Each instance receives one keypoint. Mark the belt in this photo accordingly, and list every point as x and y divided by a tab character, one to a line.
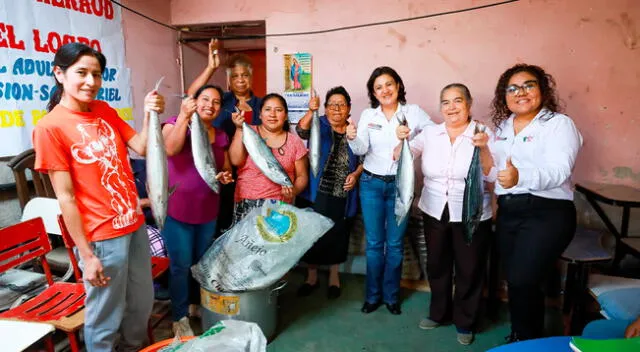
385	178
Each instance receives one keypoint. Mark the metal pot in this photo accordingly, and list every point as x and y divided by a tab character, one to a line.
259	306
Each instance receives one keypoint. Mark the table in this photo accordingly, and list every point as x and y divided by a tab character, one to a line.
617	195
20	335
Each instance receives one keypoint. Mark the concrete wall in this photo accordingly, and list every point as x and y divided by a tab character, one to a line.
591	47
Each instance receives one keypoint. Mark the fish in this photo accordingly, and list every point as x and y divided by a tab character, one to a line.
202	153
263	157
157	168
405	178
314	142
472	202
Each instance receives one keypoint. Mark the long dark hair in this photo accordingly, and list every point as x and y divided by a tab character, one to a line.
385	70
499	109
286	127
65	57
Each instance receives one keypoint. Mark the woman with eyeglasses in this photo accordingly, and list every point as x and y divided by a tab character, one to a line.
535	151
333	192
375	138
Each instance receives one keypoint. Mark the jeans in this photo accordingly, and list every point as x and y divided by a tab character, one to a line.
384	239
124	305
186	244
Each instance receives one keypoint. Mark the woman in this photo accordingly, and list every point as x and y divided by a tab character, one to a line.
332	192
82	144
535	150
193	207
375	139
240	80
446	151
253	187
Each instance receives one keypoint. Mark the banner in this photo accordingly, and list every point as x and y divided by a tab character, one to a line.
31	31
297	84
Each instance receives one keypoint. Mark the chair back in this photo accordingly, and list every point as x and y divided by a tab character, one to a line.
19	164
69	244
23	242
46	208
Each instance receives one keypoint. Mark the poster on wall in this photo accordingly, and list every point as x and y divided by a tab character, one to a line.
297	84
31	31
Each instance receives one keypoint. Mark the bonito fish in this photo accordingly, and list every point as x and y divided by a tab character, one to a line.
472	203
157	169
202	153
314	142
405	178
263	157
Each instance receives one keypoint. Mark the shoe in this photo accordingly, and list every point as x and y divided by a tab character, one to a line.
181	328
394	308
513	337
333	292
194	311
370	307
428	324
465	337
306	289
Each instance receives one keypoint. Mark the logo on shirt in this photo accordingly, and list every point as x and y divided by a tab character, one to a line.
527	139
101	148
374	126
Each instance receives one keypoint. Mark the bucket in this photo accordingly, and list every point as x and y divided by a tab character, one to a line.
259	306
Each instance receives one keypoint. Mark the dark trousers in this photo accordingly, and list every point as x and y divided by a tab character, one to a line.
532	234
446	248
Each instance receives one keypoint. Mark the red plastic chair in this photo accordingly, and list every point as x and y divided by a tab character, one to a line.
61	304
159	265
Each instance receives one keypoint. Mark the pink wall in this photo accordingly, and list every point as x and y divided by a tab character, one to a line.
151	52
592	47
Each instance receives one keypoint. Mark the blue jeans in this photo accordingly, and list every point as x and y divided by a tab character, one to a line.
124	305
186	244
384	239
606	329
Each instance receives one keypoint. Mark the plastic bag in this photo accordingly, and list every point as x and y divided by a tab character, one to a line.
260	249
225	336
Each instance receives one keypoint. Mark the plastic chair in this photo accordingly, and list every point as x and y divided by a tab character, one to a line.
61	304
159	265
19	164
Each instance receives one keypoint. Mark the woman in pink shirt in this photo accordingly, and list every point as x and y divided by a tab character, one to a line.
252	186
446	151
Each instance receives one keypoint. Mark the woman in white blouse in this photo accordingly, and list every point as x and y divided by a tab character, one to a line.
375	139
446	151
535	150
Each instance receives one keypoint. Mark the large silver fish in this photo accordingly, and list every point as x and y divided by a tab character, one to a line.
472	203
405	178
157	169
263	157
202	153
314	142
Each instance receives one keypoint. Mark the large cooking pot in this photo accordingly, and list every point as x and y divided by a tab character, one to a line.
259	306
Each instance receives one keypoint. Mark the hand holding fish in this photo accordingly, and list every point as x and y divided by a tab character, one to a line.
187	108
153	101
238	118
508	177
403	132
214	58
224	177
287	192
480	139
314	103
352	132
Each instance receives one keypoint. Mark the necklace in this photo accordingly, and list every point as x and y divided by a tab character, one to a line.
280	149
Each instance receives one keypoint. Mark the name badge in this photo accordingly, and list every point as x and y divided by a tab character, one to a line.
501	139
374	126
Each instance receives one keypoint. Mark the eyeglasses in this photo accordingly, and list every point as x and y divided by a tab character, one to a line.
337	106
527	87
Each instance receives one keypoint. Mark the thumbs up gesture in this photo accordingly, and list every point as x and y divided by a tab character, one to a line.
508	177
351	130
